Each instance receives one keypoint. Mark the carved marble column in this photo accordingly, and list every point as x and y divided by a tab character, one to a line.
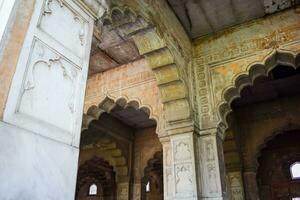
235	185
251	189
40	132
212	167
167	168
179	166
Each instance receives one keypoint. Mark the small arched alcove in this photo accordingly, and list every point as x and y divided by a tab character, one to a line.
123	133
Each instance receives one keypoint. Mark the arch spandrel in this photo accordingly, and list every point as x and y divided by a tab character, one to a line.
219	57
243	73
107	103
159	58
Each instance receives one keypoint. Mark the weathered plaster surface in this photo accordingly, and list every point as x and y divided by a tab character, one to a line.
154	43
220	58
134	81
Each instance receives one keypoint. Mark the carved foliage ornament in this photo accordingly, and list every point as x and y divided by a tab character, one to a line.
182	150
184	178
38	94
54	7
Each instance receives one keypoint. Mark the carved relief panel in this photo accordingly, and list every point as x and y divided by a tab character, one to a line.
65	25
211	184
47	92
184	176
236	185
37	92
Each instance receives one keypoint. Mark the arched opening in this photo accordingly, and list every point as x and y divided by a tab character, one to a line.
152	182
295	170
121	133
93	189
96	180
278	171
261	109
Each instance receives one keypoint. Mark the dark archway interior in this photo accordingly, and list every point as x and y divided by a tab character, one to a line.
270	103
153	176
273	175
99	172
282	81
125	138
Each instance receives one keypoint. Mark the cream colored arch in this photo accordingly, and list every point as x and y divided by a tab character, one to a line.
153	47
254	70
109	102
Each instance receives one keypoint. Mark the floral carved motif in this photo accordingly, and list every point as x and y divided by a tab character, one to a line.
182	150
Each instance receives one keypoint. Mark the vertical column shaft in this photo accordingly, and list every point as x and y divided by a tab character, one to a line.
212	168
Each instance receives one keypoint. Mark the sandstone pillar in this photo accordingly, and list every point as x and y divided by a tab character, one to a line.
40	131
251	189
212	168
180	180
123	191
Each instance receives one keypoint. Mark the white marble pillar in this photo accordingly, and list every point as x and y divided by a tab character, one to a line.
235	186
167	168
212	168
40	132
180	180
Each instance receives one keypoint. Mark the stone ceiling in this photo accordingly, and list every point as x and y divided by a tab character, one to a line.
113	43
112	52
201	17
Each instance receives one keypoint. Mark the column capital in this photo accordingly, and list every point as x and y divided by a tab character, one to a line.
181	127
164	139
96	8
214	131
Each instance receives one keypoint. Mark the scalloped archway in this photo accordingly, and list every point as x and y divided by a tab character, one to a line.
108	103
254	70
130	25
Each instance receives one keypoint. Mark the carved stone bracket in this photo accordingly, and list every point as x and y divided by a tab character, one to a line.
131	26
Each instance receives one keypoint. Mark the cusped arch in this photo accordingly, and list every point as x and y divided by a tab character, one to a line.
151	45
246	78
275	132
108	150
156	158
109	102
91	171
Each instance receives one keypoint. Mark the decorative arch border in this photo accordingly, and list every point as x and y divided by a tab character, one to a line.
154	48
246	78
109	102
